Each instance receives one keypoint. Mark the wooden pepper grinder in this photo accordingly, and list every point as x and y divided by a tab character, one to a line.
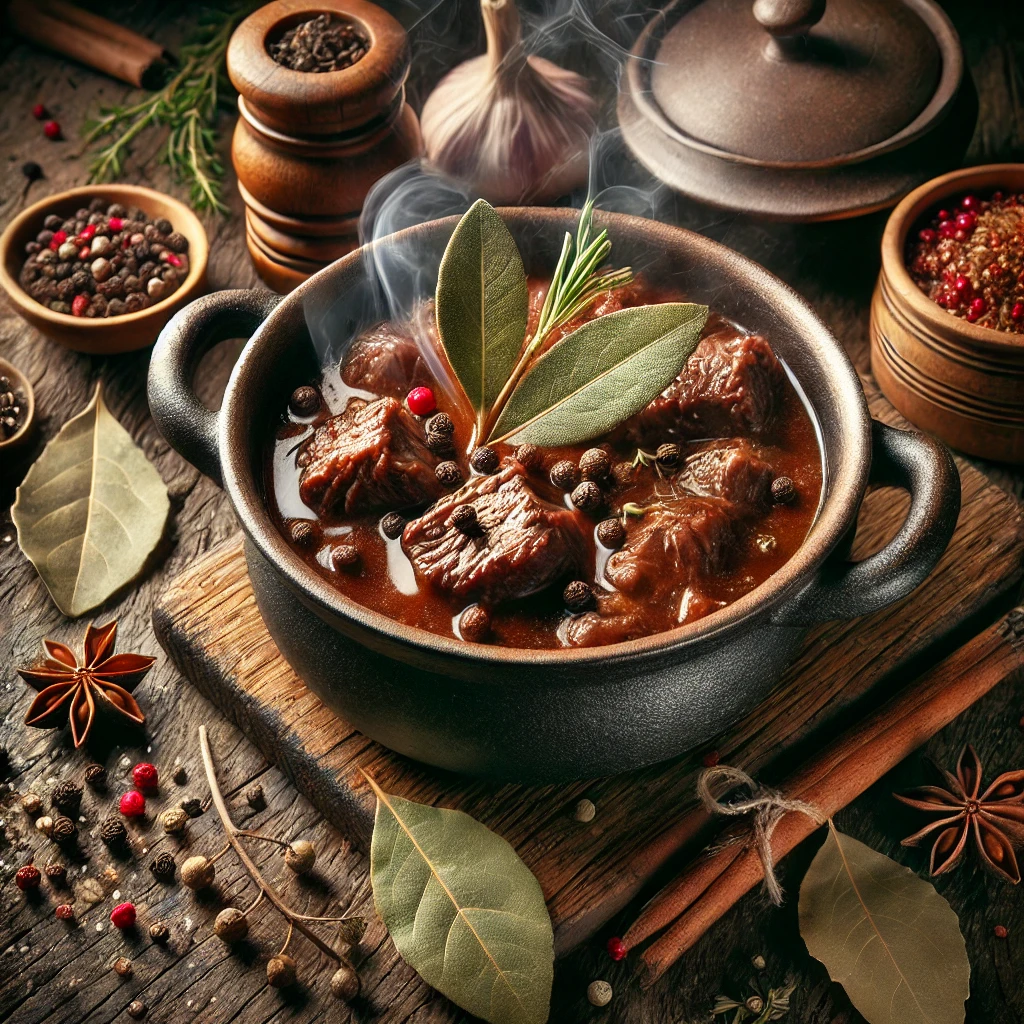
308	145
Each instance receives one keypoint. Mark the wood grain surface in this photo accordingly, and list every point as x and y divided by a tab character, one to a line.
60	974
209	623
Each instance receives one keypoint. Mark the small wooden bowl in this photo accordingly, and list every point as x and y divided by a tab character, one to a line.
961	382
20	385
107	335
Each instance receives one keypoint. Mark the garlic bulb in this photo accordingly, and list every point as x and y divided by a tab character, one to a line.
515	127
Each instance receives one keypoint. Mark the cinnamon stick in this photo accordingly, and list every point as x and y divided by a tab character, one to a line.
89	39
830	781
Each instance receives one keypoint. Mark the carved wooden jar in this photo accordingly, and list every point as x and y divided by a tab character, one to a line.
308	146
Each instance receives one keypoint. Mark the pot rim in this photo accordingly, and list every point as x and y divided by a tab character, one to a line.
842	491
895	271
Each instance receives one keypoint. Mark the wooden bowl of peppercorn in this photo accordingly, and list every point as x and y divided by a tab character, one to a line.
956	369
17	409
91	328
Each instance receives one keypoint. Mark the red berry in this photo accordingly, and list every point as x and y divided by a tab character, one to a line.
947	229
133	804
926	235
962	285
126	241
617	948
711	758
27	877
966	220
978	305
943	215
174	260
144	775
969	203
79	304
39	111
421	401
997	197
87	232
115	223
123	915
1000	931
51	130
64	912
1017	313
59	238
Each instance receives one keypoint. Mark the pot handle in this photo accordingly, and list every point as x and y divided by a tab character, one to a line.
844	589
187	425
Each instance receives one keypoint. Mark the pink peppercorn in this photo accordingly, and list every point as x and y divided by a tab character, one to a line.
947	229
144	775
926	235
1017	313
174	260
64	912
87	232
52	129
79	304
115	223
943	215
123	915
27	877
969	203
133	804
59	238
617	948
421	401
39	111
1000	931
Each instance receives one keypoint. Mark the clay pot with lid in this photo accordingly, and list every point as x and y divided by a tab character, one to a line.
308	146
798	110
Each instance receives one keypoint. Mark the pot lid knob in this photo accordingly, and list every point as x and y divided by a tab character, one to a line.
788	21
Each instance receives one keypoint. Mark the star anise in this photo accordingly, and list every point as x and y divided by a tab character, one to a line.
996	817
69	692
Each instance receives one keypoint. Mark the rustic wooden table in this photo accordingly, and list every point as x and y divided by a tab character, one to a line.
60	974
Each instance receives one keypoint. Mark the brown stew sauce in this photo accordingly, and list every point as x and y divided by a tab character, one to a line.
719	550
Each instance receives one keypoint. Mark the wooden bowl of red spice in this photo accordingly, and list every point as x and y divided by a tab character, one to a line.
103	335
947	315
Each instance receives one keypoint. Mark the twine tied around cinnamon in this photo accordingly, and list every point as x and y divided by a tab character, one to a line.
768	807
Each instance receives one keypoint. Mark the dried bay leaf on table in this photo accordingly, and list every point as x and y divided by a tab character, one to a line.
482	305
601	374
884	934
463	910
90	511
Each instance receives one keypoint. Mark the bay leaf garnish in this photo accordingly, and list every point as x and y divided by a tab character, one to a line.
462	909
884	934
90	511
601	374
481	305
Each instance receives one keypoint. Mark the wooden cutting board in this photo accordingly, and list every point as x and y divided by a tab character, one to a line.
209	624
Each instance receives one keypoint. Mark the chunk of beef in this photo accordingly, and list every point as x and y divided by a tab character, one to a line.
730	385
696	534
385	361
729	469
370	457
520	545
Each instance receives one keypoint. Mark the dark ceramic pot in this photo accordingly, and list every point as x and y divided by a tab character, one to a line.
552	714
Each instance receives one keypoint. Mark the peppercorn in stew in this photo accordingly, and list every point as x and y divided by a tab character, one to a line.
376	479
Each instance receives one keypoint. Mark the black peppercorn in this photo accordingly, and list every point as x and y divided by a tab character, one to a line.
783	490
192	807
449	474
302	533
64	830
56	873
441	424
392	525
163	867
527	455
587	496
464	519
595	464
159	932
484	460
113	831
578	597
31	170
611	533
668	455
180	775
66	797
475	623
346	558
305	400
623	473
136	1009
52	222
564	474
439	444
254	797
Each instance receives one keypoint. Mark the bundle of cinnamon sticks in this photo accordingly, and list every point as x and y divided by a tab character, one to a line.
707	888
89	39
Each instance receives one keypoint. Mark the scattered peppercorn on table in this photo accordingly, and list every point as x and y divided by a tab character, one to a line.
95	923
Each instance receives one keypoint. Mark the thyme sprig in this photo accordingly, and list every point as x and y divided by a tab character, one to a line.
187	106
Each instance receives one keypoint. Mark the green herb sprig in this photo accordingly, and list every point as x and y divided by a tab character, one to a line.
187	107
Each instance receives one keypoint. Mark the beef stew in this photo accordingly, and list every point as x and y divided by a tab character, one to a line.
677	512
